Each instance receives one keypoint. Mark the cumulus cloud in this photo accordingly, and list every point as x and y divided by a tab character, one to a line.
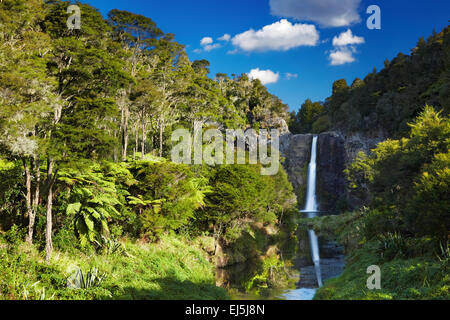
328	13
265	76
344	48
341	56
207	44
226	37
347	38
279	36
206	40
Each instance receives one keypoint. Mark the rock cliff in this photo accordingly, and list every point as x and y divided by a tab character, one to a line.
331	183
331	160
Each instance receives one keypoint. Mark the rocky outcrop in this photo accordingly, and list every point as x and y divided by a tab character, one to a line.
360	142
278	124
335	152
296	149
331	162
357	142
331	187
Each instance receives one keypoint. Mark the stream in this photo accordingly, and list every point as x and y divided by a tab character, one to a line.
306	263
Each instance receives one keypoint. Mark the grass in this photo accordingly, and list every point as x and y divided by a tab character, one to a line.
401	279
171	269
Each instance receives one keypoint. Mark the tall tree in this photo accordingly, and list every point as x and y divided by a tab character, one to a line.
139	35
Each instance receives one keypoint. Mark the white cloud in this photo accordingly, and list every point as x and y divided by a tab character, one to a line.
208	44
265	76
328	13
206	40
226	37
341	56
347	38
290	76
344	48
210	47
279	36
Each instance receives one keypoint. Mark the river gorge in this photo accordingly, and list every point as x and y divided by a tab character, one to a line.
315	165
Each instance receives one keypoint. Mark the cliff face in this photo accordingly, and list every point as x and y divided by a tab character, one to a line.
331	161
296	149
334	152
331	182
356	142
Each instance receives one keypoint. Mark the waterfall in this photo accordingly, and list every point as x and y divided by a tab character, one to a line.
311	209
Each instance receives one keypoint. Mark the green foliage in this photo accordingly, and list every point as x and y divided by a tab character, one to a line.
89	279
240	193
272	274
172	269
322	124
408	179
411	268
405	230
15	235
166	196
401	279
309	119
33	292
388	100
93	200
83	100
11	194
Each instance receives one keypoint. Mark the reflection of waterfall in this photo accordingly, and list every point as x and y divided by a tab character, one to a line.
311	209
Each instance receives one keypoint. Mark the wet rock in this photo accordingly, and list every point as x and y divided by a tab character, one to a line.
331	181
297	151
331	249
332	264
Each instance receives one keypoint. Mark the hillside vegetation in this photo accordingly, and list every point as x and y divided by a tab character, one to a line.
405	228
385	102
86	118
403	225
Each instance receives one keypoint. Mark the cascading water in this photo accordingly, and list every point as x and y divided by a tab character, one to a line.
311	209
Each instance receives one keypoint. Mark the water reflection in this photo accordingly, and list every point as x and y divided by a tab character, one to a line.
288	275
300	294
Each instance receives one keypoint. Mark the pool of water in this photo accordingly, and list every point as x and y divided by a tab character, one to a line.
300	294
298	281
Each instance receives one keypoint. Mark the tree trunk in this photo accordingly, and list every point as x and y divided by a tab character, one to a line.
49	227
29	213
136	137
126	115
33	202
143	137
161	131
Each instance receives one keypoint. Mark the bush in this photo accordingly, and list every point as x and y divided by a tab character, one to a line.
165	197
408	180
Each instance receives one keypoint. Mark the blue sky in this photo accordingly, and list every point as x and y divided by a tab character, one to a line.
296	46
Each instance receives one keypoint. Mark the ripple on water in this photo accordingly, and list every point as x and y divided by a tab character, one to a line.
300	294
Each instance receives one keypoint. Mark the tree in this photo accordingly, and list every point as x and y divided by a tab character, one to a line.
309	113
28	97
139	35
201	67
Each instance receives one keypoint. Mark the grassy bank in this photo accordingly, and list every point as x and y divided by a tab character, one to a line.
410	268
171	269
